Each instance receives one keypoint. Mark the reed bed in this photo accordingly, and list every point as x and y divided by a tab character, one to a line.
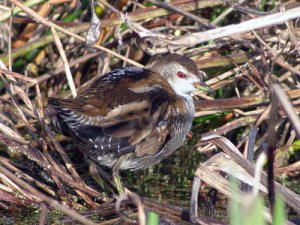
249	130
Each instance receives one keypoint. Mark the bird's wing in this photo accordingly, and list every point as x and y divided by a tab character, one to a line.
125	110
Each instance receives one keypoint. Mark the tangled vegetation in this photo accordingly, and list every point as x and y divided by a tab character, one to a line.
245	140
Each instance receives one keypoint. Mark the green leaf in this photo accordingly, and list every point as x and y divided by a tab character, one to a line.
255	213
152	218
250	212
279	216
234	205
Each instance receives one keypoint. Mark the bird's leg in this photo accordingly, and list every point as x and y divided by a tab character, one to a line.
116	175
101	177
95	174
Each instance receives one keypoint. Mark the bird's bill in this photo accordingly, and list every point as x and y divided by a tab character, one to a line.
201	86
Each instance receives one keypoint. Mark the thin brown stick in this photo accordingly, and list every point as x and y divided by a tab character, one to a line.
288	108
183	12
65	61
43	214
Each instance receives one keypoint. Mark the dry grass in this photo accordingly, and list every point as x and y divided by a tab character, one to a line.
251	59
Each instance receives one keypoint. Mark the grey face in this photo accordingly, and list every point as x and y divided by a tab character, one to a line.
180	71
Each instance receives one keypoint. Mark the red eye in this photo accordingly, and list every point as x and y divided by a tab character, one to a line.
181	74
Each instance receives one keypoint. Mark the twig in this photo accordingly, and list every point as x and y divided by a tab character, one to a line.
183	12
65	61
287	107
224	14
43	214
10	40
136	200
270	146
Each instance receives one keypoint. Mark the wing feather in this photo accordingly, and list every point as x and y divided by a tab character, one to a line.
133	119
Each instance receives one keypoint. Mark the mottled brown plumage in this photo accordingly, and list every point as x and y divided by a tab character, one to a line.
143	113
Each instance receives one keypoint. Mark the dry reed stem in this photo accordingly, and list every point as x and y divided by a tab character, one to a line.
291	199
183	12
288	108
232	30
51	202
65	61
134	16
137	202
17	10
49	24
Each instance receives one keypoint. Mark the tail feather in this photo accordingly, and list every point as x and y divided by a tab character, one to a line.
66	118
61	105
94	137
72	123
59	125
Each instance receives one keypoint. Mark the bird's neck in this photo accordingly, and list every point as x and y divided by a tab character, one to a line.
189	102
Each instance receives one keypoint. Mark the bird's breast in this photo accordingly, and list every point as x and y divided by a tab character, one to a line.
180	125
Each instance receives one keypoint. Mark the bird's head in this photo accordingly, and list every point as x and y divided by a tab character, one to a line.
181	73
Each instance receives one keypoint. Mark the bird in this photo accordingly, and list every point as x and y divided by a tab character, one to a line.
132	118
